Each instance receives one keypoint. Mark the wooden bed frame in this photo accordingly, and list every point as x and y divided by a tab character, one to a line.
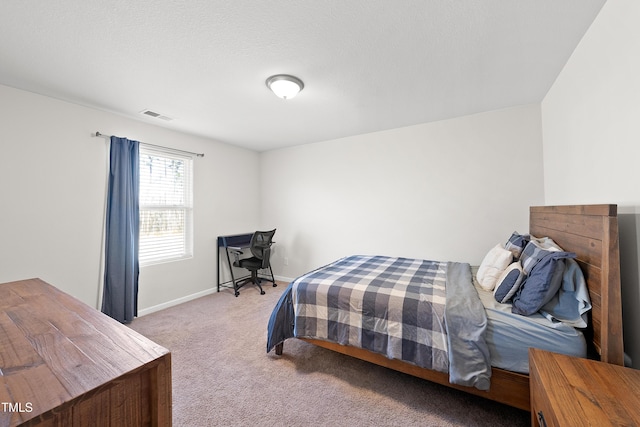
591	231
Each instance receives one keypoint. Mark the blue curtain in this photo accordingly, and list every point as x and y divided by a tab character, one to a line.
120	294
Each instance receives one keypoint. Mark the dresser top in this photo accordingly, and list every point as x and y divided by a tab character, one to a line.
54	348
588	392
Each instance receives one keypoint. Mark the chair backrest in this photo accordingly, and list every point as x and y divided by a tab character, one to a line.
261	245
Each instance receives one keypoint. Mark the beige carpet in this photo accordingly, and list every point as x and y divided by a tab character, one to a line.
223	376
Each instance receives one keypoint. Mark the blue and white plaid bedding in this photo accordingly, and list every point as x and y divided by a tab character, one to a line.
398	307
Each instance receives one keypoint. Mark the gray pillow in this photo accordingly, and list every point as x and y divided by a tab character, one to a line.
541	284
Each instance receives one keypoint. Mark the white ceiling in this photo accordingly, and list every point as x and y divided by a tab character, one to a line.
367	65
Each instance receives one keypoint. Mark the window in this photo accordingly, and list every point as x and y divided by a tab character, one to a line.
166	206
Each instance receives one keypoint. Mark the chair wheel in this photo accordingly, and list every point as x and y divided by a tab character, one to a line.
274	285
237	293
261	292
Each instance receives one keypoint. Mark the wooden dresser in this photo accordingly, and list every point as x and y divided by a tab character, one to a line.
63	363
568	391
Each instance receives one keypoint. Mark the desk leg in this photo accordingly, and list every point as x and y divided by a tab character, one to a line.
233	279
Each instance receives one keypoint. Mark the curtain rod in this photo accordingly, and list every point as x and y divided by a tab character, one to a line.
98	134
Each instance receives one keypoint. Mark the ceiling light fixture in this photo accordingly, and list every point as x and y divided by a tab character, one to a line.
284	85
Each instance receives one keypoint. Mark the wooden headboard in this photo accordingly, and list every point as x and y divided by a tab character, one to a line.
591	231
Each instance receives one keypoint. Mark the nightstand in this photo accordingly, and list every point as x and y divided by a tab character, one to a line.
568	391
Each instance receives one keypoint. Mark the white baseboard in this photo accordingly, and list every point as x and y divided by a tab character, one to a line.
181	300
283	279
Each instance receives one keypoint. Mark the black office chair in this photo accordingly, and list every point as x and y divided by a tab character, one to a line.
260	247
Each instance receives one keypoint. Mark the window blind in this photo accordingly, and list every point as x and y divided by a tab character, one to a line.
166	205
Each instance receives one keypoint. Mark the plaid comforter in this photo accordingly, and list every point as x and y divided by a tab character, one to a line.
375	303
394	306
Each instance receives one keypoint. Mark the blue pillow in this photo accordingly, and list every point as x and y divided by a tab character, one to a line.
516	244
572	302
508	283
541	284
535	250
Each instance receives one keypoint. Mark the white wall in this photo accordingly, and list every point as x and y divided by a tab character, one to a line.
447	190
591	134
52	190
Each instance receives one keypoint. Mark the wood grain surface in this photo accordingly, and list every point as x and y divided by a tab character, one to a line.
65	363
570	391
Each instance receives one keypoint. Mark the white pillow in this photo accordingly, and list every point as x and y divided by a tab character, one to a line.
493	264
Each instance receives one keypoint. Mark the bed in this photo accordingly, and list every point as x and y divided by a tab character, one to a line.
588	231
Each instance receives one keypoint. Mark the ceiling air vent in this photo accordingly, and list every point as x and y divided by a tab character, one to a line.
156	115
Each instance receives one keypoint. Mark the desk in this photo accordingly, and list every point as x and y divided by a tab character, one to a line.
569	391
65	363
237	242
